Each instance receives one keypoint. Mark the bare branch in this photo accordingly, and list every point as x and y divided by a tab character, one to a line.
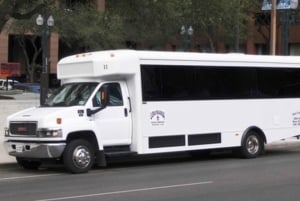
27	15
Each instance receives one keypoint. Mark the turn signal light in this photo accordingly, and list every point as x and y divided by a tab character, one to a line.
58	120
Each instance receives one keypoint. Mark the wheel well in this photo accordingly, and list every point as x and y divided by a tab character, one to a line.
258	131
86	135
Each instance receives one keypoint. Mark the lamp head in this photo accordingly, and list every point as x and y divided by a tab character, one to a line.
39	20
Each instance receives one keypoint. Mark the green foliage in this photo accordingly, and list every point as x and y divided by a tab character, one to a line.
219	20
141	24
25	31
151	23
20	9
148	23
81	27
84	27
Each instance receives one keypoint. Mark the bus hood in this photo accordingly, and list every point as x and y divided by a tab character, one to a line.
47	116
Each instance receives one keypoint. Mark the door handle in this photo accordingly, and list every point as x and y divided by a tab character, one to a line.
125	112
129	101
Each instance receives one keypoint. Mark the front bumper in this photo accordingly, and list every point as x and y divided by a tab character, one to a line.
35	150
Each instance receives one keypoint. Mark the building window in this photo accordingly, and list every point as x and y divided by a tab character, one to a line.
295	49
261	49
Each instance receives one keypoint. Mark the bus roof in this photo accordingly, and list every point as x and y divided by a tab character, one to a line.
114	62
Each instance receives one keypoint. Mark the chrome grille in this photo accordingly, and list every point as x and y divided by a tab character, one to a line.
23	128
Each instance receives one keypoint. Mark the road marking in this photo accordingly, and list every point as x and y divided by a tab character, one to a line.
26	177
128	191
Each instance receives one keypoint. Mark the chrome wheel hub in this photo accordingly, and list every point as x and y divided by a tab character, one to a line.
252	145
81	157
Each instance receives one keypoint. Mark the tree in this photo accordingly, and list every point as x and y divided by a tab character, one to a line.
147	24
19	9
150	23
220	21
80	26
23	14
28	41
83	28
16	16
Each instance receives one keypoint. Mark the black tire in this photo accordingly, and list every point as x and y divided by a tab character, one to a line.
28	164
252	145
79	156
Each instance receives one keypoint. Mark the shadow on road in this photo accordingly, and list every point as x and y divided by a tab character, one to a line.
157	159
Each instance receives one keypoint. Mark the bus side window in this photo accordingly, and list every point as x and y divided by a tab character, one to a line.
115	95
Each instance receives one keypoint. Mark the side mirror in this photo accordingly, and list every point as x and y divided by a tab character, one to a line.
89	112
104	98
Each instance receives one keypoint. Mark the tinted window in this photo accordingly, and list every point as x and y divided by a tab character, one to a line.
201	83
115	95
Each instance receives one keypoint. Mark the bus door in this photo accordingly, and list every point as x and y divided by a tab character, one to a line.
114	122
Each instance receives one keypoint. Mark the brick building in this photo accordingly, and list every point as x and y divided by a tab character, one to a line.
10	51
255	44
259	25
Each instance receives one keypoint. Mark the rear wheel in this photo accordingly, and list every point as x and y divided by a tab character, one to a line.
252	145
79	156
28	164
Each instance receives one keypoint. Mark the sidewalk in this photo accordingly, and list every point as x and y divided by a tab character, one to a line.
20	96
11	103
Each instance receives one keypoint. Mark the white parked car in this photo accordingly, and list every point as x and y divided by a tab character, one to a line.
7	84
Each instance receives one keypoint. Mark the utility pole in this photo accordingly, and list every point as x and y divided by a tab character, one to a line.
45	26
273	28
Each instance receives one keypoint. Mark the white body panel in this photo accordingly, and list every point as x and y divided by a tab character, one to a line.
230	118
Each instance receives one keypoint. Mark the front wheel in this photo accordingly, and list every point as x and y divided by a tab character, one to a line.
252	145
79	156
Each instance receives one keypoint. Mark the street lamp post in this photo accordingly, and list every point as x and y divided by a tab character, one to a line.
45	34
285	8
287	18
187	34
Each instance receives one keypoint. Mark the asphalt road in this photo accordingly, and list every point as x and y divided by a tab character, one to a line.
274	176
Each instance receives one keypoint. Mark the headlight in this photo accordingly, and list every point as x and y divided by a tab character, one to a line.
6	132
49	133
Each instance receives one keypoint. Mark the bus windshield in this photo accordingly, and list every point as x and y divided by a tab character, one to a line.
71	94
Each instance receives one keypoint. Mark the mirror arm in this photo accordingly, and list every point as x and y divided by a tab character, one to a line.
104	101
90	112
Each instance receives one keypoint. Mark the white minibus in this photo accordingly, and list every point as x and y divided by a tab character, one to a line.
148	102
